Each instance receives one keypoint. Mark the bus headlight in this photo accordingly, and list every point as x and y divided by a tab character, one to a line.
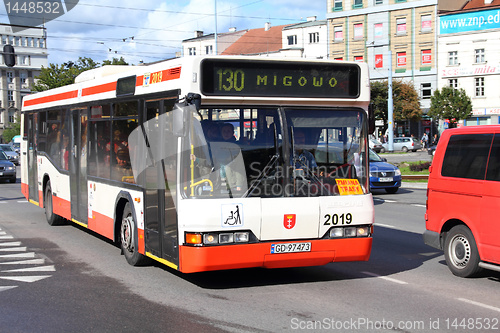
337	233
241	237
210	239
350	232
226	238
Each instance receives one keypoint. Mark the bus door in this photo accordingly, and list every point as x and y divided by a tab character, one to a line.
78	165
160	213
32	157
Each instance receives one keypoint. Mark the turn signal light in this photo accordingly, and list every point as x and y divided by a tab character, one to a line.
193	238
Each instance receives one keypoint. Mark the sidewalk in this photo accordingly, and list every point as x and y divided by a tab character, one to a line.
414	185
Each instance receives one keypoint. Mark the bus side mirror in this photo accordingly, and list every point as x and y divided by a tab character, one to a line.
371	119
9	56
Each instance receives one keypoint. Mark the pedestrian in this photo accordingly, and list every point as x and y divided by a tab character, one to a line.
424	140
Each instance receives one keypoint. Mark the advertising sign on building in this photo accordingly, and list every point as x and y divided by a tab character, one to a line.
472	21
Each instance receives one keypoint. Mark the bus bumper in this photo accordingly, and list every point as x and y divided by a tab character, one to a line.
209	258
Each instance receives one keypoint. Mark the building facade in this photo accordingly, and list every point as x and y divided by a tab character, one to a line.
30	46
469	45
390	35
306	40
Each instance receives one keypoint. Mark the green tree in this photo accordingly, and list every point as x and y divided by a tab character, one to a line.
450	103
10	132
60	75
115	61
406	105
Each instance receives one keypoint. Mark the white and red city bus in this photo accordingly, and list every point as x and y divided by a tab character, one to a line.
208	163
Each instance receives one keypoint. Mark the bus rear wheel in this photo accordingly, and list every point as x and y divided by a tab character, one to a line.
52	219
461	253
129	239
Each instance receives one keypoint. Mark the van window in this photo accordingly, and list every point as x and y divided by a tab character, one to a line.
466	156
494	163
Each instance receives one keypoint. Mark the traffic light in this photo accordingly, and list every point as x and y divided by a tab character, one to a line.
9	56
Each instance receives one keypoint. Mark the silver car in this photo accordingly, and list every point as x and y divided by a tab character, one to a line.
10	152
403	144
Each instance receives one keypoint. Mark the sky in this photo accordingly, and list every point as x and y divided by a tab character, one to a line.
152	30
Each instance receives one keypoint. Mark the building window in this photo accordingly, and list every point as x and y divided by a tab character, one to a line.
192	51
358	58
23	77
426	90
357	4
401	26
426	57
479	56
292	40
379	60
10	77
209	49
378	30
338	33
452	58
12	117
314	37
401	59
453	83
426	23
479	84
23	60
379	2
338	59
358	31
398	1
337	5
10	95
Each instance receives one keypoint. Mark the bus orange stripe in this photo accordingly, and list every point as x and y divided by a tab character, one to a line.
52	98
102	88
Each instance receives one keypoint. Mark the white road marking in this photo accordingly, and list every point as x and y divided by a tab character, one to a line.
11	244
419	205
6	237
23	201
28	279
385	225
385	278
18	255
7	288
50	268
9	249
24	262
486	306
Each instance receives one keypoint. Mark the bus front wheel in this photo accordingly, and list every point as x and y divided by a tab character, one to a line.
461	253
129	239
52	219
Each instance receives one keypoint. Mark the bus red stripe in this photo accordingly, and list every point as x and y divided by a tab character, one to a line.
102	88
52	98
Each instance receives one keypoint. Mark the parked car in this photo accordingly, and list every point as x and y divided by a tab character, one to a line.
375	144
7	168
462	217
10	152
404	144
383	175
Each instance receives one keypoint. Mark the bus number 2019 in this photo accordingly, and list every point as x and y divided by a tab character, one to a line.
229	79
338	219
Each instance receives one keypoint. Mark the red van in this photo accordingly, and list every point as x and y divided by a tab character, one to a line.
463	199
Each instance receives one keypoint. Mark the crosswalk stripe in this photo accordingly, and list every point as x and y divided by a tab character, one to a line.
6	237
10	244
29	279
7	249
7	288
24	262
50	268
18	255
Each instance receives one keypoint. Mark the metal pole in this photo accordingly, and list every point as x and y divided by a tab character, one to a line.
215	14
390	106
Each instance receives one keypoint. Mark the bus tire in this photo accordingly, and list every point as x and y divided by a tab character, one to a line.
129	239
52	219
460	252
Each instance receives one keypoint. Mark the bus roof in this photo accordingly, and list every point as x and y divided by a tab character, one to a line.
181	75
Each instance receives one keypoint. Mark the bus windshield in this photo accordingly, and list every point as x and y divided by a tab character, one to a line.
274	152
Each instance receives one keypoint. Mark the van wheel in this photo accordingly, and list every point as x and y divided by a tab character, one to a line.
52	219
129	239
461	253
404	149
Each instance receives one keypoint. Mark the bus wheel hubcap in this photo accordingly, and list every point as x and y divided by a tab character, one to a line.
127	233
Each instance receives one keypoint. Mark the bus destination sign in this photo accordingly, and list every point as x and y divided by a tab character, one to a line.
279	79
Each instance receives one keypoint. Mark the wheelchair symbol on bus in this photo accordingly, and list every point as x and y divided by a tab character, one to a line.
231	215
